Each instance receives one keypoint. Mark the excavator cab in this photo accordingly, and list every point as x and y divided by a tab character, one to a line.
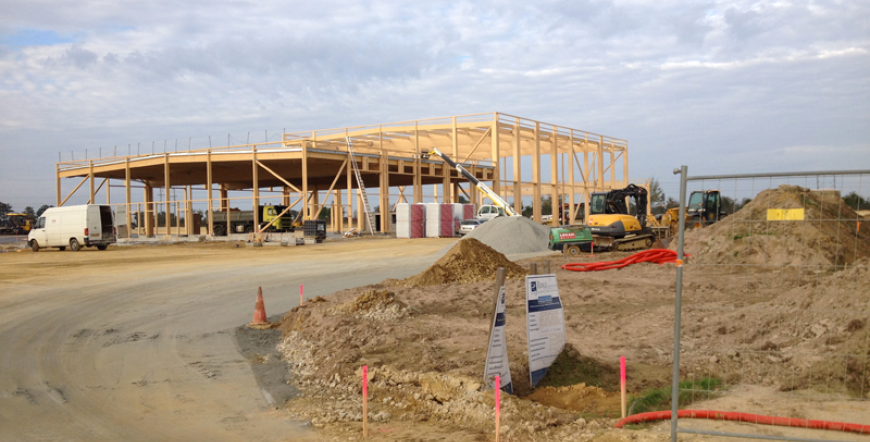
705	207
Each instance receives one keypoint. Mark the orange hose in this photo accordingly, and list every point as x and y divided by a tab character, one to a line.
747	417
657	256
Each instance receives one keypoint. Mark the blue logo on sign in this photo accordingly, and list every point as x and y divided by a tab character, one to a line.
534	286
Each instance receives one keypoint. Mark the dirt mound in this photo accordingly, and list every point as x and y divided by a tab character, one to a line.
381	304
828	235
468	261
513	235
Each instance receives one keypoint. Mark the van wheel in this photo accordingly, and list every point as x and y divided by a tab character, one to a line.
74	245
102	247
34	246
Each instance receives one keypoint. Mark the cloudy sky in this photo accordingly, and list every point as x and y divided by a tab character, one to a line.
722	86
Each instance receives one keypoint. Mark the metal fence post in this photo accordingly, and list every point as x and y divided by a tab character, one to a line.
678	301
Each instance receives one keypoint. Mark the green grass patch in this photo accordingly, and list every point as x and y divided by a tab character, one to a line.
659	399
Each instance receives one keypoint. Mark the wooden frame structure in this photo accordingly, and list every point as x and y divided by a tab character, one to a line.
497	148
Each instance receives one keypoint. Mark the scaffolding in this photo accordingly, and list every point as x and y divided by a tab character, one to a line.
305	168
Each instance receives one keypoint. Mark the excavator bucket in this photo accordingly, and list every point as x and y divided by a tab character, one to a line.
662	243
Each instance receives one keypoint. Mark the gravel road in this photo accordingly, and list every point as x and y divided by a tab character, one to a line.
137	343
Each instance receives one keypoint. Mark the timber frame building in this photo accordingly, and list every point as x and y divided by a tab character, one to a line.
310	170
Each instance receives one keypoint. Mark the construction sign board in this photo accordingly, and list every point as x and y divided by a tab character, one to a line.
496	351
545	324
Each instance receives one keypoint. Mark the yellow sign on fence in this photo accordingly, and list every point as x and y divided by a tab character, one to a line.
785	214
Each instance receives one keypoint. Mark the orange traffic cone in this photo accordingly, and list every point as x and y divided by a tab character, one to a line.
260	321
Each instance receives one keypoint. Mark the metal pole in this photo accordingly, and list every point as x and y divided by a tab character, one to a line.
678	304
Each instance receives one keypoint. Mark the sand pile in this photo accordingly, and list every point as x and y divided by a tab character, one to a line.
829	234
468	261
513	234
378	304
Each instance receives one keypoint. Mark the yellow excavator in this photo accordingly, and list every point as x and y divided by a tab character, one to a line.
611	224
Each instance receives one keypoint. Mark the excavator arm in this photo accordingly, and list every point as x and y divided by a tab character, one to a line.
497	200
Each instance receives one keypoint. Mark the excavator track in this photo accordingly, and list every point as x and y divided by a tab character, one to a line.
638	242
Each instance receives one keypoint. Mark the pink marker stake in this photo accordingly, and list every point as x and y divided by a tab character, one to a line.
301	298
365	388
497	405
622	382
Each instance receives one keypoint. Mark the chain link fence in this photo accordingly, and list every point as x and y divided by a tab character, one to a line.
773	302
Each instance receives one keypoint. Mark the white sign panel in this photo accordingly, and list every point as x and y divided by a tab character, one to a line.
546	324
496	353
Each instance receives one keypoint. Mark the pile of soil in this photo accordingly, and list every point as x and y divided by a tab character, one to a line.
513	235
828	236
380	304
468	261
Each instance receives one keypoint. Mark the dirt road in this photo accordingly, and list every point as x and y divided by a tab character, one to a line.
136	343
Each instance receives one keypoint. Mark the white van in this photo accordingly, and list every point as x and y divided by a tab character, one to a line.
90	225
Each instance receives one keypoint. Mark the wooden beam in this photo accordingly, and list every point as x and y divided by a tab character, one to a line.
331	186
475	147
74	190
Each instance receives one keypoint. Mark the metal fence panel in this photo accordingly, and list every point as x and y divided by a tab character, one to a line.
773	303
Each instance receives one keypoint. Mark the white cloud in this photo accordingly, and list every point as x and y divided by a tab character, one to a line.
679	81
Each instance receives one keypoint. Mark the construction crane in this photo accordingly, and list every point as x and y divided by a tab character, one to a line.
497	200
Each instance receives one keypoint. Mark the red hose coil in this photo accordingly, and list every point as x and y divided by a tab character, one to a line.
656	256
747	417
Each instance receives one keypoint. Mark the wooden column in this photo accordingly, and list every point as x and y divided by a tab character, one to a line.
418	166
149	209
108	191
285	196
129	219
306	214
518	190
208	185
555	204
496	177
536	174
91	199
612	168
384	184
600	164
571	190
188	211
57	182
349	172
225	197
588	174
625	168
167	186
255	191
338	217
449	195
